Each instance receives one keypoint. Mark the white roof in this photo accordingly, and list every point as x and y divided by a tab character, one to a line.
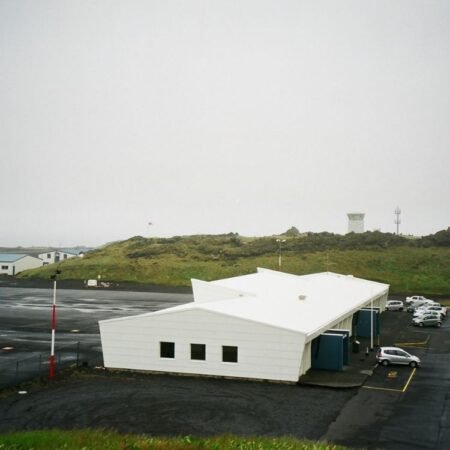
308	304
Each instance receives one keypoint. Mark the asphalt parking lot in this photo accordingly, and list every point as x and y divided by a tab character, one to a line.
396	408
394	378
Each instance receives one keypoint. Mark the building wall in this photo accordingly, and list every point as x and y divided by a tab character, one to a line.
344	324
264	352
51	257
306	359
356	223
6	268
25	263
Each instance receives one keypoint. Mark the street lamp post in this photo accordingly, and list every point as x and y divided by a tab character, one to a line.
52	350
279	251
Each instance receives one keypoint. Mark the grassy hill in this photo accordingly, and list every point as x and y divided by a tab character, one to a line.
408	265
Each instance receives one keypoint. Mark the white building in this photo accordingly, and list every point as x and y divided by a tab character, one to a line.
258	326
355	222
13	263
55	256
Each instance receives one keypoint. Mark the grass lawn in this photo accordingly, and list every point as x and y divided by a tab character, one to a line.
108	440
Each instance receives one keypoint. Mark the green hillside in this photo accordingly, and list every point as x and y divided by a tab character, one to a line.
408	265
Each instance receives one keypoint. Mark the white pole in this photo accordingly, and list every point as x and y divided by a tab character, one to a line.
52	351
279	251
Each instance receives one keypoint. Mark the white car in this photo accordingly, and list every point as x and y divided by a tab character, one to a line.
425	312
394	305
436	308
415	298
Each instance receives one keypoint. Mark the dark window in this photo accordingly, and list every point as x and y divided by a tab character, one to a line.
167	349
229	354
49	255
5	267
198	351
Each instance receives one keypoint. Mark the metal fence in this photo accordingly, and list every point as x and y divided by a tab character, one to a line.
16	371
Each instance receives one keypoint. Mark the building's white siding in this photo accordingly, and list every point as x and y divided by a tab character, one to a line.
261	314
306	360
55	256
356	222
345	324
380	302
6	268
264	352
15	267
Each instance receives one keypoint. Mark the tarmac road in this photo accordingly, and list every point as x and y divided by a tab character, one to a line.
25	322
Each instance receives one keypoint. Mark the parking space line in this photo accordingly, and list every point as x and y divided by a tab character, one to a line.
381	389
412	344
405	387
409	379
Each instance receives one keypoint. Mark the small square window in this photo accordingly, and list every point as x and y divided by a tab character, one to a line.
229	354
5	267
167	349
198	352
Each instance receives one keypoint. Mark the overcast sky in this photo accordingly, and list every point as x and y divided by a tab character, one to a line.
221	116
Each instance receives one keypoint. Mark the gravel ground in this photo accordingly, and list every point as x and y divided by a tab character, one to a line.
171	406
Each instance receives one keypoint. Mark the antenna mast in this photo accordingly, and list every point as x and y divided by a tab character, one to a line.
397	220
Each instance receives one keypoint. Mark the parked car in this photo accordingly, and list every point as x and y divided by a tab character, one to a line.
418	304
415	298
427	320
394	305
426	312
396	355
439	309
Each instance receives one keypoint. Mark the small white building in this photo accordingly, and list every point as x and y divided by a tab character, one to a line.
258	326
55	256
13	263
355	222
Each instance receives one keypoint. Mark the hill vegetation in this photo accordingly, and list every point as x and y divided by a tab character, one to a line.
419	265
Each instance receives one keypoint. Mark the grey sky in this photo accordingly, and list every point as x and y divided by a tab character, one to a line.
218	116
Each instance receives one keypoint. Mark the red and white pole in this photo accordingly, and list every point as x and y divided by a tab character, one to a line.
52	352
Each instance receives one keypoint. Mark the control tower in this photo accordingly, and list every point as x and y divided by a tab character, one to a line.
356	222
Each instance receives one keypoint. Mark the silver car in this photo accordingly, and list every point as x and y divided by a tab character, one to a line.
394	305
427	320
426	312
396	355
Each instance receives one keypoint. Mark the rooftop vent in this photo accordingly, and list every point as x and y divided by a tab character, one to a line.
302	297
